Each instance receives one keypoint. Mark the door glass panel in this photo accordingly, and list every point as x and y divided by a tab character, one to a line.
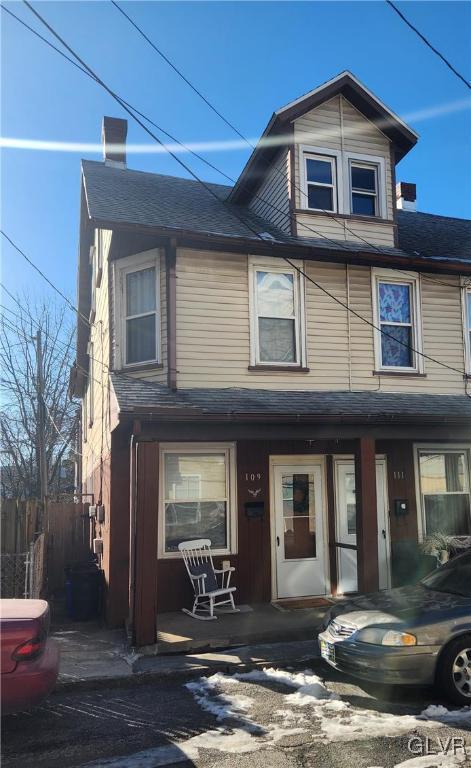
350	502
299	516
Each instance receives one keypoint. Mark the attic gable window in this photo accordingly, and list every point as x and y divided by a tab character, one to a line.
276	315
138	310
364	189
321	182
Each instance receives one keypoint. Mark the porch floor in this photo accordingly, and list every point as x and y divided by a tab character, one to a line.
262	623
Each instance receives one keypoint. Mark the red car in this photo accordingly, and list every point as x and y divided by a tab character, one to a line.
29	659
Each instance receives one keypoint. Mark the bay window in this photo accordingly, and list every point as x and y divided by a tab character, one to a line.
397	319
197	496
444	485
276	315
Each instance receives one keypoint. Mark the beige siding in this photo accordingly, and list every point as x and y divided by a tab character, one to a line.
337	125
98	441
271	200
213	330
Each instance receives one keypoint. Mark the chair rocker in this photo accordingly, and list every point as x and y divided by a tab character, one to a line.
210	585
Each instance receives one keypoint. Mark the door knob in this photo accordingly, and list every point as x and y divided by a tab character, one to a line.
277	541
384	533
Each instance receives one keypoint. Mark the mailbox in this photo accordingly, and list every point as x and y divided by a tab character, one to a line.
401	507
254	508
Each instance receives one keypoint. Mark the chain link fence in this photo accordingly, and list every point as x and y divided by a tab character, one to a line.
15	574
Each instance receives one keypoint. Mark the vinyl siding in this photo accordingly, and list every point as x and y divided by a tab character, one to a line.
271	200
337	125
213	330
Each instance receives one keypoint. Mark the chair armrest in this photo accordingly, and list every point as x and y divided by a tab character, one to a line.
224	570
199	576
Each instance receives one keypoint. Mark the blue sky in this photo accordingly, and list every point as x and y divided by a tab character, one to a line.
249	58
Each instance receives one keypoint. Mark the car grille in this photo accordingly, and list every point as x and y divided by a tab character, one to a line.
341	630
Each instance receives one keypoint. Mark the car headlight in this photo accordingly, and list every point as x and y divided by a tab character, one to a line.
378	636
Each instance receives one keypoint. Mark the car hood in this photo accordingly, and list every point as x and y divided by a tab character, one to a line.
403	604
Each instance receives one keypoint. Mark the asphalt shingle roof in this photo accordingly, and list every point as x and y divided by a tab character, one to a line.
141	397
136	197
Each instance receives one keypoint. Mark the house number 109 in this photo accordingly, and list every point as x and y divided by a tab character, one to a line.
253	476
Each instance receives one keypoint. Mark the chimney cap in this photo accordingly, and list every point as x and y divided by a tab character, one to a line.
113	135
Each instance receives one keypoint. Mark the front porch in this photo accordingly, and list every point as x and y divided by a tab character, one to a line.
255	624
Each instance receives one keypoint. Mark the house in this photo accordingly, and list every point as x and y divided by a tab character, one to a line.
282	366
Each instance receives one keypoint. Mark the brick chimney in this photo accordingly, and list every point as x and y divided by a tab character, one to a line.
406	196
113	136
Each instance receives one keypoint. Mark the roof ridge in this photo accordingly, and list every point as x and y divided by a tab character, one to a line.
435	215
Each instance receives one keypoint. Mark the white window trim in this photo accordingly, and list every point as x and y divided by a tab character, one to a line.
343	181
380	165
466	293
90	388
92	259
121	268
268	264
229	449
85	417
305	151
436	448
413	280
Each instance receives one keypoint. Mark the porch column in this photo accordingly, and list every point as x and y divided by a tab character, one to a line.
367	518
144	535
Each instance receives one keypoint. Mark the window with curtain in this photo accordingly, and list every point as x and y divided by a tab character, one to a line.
196	502
276	303
444	487
141	315
396	320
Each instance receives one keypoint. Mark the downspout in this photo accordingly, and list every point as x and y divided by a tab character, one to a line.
136	428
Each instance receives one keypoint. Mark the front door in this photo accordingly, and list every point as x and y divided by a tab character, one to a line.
346	525
298	496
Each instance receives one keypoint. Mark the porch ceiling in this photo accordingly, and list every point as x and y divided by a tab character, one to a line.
142	399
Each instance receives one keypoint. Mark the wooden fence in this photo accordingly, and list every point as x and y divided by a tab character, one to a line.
67	529
52	539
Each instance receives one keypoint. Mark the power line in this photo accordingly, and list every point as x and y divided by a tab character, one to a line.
203	159
284	175
429	44
40	272
213	194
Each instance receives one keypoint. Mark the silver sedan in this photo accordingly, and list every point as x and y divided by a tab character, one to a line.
418	635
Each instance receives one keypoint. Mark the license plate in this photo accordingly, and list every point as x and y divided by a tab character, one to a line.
328	651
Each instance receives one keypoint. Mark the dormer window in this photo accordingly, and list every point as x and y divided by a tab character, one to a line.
364	189
321	179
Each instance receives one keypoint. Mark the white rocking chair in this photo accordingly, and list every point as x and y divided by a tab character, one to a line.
204	579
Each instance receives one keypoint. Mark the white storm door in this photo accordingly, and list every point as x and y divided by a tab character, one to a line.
299	530
346	525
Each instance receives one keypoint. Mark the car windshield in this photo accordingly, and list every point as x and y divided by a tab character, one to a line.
454	577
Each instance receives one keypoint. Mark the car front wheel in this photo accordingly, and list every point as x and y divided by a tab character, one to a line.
454	670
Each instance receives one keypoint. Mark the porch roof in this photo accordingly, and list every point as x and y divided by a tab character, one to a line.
137	398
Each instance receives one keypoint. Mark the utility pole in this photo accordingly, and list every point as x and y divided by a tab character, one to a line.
41	421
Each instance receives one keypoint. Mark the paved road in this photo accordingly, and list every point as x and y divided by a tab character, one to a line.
283	719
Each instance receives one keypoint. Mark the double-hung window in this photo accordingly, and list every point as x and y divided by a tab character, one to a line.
139	308
364	189
197	499
444	479
276	315
397	322
321	182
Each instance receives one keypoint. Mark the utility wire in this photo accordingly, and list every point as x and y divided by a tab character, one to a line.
283	174
428	44
207	162
208	188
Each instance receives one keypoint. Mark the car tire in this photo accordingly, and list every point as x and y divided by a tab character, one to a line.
454	670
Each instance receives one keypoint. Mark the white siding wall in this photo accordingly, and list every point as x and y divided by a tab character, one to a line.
337	125
271	199
213	341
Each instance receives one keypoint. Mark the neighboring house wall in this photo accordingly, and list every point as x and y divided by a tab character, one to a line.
336	125
271	199
213	330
